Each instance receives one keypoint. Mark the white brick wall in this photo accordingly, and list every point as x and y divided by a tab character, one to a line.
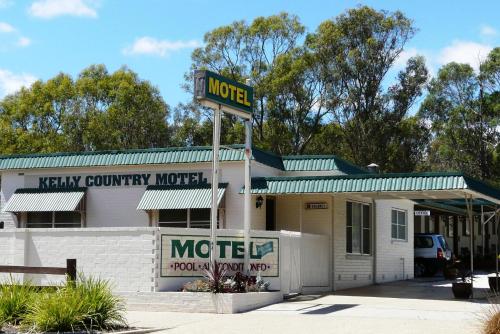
394	257
123	256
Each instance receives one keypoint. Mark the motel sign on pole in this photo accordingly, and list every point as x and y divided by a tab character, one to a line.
223	94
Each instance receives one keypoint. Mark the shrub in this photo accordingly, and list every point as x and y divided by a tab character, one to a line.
215	275
15	299
196	286
87	304
56	312
103	309
491	320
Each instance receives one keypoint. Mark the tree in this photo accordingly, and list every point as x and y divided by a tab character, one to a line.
98	111
243	51
356	50
296	102
463	108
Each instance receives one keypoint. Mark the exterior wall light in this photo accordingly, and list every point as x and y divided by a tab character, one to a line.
259	201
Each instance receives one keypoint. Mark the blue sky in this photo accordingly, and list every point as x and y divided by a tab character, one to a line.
41	38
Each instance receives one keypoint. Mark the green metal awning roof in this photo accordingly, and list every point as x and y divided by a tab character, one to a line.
154	156
37	200
320	163
414	185
180	197
438	206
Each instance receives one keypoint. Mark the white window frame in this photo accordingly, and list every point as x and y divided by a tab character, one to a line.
397	224
361	253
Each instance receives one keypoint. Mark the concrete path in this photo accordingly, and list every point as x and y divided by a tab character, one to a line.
417	306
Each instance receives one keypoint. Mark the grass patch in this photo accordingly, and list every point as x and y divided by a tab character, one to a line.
491	320
85	305
15	301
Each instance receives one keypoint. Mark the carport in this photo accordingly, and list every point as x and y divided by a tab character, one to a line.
456	188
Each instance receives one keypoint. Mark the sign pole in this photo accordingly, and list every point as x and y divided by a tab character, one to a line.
248	196
215	185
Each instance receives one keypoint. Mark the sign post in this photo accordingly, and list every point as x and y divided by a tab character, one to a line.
223	94
248	197
215	184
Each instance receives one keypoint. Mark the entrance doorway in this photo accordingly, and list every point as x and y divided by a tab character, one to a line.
270	214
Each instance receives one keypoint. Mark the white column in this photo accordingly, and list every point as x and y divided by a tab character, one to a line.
215	183
248	197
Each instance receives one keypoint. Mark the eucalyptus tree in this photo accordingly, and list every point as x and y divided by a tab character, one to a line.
97	111
356	51
246	51
463	110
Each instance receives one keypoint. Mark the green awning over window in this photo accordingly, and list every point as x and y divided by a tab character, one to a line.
38	200
179	197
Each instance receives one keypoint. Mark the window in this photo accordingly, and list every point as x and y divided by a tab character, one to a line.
465	225
173	218
431	226
418	224
358	228
477	222
423	242
449	227
58	219
398	224
195	218
200	218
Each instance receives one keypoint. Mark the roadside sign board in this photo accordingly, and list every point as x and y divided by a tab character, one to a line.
188	255
422	213
213	90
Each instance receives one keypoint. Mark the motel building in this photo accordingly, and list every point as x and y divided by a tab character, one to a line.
141	218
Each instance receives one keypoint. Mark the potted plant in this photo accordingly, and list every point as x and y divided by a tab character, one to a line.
451	271
494	282
462	289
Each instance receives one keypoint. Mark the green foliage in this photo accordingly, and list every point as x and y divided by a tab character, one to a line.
53	312
103	309
319	93
15	300
243	51
215	275
355	51
87	304
97	111
463	108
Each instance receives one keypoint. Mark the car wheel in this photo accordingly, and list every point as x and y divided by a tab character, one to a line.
419	270
430	270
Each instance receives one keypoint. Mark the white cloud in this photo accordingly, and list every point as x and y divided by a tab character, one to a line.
48	9
488	31
405	55
152	46
11	82
464	52
23	41
6	28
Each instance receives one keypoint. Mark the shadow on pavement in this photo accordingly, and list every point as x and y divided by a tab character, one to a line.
331	309
432	289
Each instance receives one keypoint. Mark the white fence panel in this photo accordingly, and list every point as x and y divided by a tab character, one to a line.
315	260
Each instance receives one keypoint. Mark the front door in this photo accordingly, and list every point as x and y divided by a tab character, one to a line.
270	214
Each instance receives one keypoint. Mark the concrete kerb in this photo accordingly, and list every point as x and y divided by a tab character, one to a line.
140	331
201	302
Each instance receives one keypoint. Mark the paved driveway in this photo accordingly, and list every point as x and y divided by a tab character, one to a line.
416	306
